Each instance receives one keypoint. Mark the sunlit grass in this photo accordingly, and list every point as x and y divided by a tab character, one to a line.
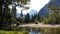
12	32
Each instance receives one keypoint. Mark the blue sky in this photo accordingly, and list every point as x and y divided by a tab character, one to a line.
35	5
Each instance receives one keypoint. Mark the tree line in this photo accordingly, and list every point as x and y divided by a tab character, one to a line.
54	13
7	15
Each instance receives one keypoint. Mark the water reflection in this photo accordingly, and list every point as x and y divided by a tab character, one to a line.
41	30
33	31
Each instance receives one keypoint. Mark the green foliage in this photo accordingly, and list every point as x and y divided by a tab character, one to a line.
20	19
35	18
49	20
54	14
27	18
6	15
23	1
11	32
26	32
21	14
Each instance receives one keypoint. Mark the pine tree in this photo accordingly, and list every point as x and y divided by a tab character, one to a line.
27	18
21	14
54	11
5	14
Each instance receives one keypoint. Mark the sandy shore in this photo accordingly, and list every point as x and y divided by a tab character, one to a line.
40	25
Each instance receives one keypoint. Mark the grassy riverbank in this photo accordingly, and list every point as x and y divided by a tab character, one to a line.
12	32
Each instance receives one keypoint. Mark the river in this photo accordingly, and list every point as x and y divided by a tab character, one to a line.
40	30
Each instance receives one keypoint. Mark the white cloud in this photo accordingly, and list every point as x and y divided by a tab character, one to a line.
35	4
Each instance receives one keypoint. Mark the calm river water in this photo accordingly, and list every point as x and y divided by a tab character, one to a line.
41	30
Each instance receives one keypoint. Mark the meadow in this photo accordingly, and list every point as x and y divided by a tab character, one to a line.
13	32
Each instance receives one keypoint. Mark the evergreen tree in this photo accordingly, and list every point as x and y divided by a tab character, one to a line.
32	18
27	18
54	13
38	17
6	15
21	14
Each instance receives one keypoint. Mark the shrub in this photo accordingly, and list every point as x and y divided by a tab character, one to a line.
26	32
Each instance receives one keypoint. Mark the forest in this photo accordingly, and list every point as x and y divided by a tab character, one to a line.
9	19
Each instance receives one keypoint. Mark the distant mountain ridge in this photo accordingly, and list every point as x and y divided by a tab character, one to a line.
44	12
32	12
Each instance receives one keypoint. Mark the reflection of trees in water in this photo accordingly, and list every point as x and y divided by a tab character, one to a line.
52	31
41	30
45	31
33	31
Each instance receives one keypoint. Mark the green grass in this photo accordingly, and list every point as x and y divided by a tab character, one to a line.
12	32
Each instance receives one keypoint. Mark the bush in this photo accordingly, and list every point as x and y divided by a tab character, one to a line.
16	32
50	20
26	32
46	20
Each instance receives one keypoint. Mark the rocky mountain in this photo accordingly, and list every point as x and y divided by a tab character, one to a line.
32	12
44	12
